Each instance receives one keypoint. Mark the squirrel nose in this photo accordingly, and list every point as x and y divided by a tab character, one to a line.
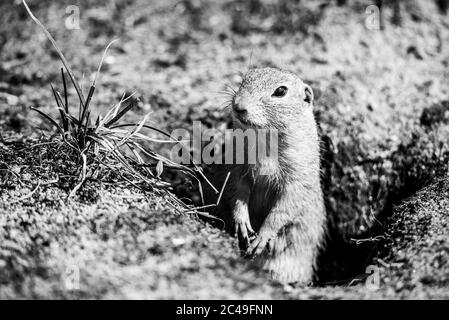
239	107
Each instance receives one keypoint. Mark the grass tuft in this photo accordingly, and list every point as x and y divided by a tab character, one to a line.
106	144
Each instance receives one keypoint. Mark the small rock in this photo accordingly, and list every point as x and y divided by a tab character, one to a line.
9	99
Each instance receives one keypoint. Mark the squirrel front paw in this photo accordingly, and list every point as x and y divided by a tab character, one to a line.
244	232
258	245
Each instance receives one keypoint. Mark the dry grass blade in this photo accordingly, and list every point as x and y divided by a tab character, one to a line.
83	176
60	54
120	114
223	187
112	113
140	136
197	168
102	59
85	111
29	195
130	134
48	118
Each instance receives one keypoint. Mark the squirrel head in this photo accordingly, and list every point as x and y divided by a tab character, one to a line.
271	98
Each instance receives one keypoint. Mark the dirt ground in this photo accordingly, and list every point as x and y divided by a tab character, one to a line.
381	98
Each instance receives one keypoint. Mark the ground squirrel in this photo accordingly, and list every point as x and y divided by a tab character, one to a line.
275	206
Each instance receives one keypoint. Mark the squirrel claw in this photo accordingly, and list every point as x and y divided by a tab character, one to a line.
257	246
244	232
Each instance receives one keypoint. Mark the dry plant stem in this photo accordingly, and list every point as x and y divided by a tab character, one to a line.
83	176
49	119
28	195
197	168
66	95
14	174
222	188
102	59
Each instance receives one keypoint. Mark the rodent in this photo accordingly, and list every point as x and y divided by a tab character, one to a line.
275	207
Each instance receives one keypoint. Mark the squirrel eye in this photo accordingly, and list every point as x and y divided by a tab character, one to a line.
280	92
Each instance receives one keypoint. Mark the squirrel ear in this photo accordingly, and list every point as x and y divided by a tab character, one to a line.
309	94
